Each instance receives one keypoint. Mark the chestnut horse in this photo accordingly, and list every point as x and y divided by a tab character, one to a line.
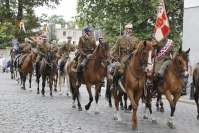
92	75
173	82
196	84
27	67
133	80
47	65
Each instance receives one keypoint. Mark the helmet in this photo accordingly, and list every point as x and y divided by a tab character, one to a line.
69	37
87	29
128	26
44	37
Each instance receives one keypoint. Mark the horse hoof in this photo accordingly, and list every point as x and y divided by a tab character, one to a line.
162	110
97	112
55	89
73	106
80	109
110	105
38	92
100	94
86	107
134	126
171	125
126	111
114	118
145	117
119	121
60	93
51	95
154	121
23	88
158	109
121	108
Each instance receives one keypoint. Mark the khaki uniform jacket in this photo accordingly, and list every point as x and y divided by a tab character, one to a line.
123	46
54	48
65	49
86	45
25	48
42	48
166	56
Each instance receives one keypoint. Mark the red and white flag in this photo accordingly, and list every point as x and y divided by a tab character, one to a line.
162	28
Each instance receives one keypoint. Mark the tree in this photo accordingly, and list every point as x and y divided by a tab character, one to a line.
110	14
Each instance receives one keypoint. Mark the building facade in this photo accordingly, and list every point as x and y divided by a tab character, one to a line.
191	29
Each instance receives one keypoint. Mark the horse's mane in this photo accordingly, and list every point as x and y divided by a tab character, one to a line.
105	44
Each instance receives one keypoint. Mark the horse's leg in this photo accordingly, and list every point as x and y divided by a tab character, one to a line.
168	95
161	104
43	84
97	91
108	93
68	85
125	103
51	84
157	102
30	80
60	82
117	115
121	104
38	77
196	100
88	86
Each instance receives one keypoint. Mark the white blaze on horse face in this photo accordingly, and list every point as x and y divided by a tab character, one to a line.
149	67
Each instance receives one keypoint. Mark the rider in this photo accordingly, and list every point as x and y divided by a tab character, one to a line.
25	48
64	51
86	46
54	47
165	49
123	50
42	48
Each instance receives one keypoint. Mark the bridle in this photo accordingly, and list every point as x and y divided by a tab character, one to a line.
49	59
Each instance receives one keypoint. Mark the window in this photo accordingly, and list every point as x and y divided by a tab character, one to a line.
74	34
64	33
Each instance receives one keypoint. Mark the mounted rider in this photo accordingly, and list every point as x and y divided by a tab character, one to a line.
25	49
86	46
42	49
64	51
123	50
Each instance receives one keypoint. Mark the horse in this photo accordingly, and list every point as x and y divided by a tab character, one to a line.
47	65
13	54
173	82
92	75
65	74
196	85
133	80
27	67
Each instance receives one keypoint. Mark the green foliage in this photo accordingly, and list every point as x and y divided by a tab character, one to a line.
108	15
6	35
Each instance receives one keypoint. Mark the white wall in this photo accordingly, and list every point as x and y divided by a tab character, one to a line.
191	29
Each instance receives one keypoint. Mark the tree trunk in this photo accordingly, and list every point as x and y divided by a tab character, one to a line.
20	10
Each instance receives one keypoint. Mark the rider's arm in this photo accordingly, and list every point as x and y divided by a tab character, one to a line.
80	46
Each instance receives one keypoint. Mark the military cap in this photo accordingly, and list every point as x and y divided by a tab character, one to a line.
128	26
87	29
69	37
44	37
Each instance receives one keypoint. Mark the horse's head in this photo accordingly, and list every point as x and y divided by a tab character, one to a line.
50	56
181	60
144	51
102	51
33	56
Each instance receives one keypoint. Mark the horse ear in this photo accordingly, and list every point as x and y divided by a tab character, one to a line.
180	50
144	42
188	51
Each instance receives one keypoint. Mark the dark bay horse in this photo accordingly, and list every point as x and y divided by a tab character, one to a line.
92	74
133	80
47	65
173	81
196	85
27	67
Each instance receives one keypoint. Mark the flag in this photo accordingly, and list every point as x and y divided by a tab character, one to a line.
22	26
162	28
46	28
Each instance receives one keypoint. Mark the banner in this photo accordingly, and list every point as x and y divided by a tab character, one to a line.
162	28
21	26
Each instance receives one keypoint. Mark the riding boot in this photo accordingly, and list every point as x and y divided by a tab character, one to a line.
115	80
61	68
78	82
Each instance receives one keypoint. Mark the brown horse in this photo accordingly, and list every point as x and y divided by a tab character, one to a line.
173	81
196	84
47	65
92	74
27	67
133	81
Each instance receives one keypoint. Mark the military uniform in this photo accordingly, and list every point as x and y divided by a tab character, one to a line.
42	49
25	48
121	50
64	51
86	46
54	48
